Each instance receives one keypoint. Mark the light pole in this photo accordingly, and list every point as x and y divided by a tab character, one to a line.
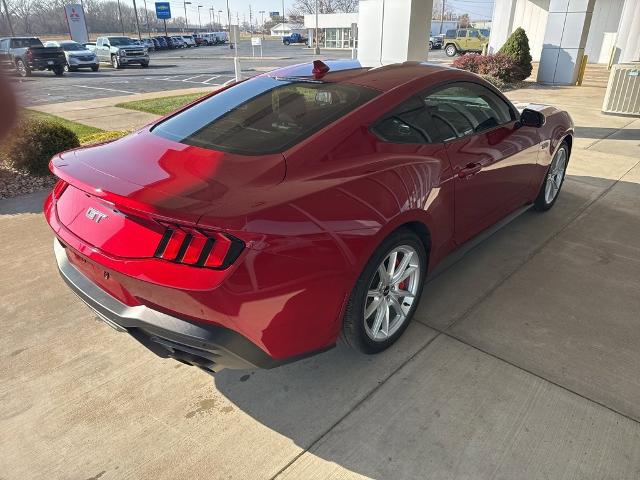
120	15
146	12
135	12
211	18
199	20
317	50
262	27
186	19
229	24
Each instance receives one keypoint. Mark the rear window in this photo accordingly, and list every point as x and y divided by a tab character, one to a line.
120	41
25	42
263	115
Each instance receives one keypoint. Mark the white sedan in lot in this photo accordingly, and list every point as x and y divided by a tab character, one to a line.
78	55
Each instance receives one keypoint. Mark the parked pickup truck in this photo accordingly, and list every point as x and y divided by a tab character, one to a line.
294	38
26	54
435	42
120	51
464	40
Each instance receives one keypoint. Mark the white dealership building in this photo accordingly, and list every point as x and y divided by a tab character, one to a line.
560	32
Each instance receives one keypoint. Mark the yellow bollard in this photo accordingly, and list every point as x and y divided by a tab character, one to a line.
583	67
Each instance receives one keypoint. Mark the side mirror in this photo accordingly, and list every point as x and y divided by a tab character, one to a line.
531	118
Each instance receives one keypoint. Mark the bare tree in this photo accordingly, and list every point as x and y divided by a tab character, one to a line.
302	7
437	10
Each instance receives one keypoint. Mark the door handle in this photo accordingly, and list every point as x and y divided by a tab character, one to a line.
470	170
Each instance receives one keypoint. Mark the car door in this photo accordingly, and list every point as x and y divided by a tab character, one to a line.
473	40
408	133
492	156
102	50
462	39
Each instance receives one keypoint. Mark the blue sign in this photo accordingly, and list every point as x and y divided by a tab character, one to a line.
163	10
274	14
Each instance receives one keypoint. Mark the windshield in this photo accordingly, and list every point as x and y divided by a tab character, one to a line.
72	47
119	41
25	42
263	115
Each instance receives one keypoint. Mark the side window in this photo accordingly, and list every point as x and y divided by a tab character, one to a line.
99	42
464	108
394	130
4	45
450	34
410	122
462	33
473	33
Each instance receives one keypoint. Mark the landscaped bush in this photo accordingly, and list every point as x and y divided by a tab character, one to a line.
470	62
501	66
517	47
32	144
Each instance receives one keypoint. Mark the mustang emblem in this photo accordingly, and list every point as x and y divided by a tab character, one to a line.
95	215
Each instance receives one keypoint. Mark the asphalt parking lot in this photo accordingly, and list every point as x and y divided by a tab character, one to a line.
169	70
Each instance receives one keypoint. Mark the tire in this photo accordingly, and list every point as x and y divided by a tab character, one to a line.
287	42
58	71
430	45
358	331
71	69
553	179
115	63
451	50
145	64
95	68
22	69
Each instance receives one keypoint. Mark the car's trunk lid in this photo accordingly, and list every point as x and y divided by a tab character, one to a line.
122	194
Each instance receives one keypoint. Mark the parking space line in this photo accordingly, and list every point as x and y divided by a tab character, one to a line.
195	76
212	78
102	88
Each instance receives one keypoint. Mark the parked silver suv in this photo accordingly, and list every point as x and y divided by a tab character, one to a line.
77	55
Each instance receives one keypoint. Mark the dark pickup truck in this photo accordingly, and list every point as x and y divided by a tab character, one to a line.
26	54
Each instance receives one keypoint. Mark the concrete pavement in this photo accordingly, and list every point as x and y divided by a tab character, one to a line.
521	363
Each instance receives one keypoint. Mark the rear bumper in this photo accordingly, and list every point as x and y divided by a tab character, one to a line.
43	64
209	347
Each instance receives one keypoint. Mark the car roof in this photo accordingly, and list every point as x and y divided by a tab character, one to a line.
381	78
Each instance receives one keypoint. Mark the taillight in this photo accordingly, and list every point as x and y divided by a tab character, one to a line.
58	188
200	248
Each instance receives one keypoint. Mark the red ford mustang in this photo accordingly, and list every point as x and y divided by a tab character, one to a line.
261	223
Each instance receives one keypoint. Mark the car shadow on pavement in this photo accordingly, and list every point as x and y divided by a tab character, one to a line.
306	400
603	132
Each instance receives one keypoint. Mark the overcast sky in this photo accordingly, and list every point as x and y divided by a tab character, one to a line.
477	9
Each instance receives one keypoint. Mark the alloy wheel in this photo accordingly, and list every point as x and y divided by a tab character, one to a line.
22	69
555	175
391	293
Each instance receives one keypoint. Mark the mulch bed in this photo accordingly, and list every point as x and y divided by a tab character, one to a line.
14	183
